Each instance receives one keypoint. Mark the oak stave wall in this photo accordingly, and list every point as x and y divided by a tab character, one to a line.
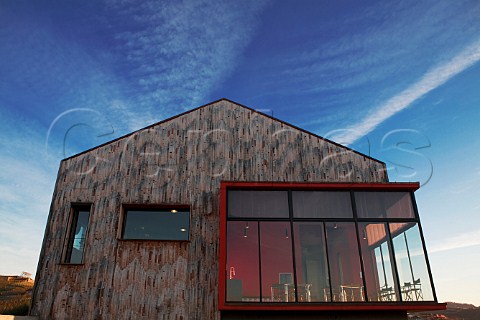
180	161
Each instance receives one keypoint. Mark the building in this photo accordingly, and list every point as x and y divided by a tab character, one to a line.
223	212
19	279
24	277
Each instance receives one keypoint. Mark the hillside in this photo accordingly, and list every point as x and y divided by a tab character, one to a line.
15	299
15	295
455	311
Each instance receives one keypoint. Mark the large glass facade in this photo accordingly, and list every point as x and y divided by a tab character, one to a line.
294	246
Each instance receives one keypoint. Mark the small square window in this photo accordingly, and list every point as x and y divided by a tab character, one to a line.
77	234
156	224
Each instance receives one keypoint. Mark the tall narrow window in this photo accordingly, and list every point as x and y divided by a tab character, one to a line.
77	235
311	262
243	282
345	269
276	262
411	262
377	260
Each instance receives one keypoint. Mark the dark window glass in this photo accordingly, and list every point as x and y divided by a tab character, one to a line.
243	275
384	205
311	262
377	258
156	224
274	257
411	263
276	262
77	237
322	204
258	204
344	259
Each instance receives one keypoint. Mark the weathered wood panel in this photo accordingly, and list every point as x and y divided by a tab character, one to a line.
181	161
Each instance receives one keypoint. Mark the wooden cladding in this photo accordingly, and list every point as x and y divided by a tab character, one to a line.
180	161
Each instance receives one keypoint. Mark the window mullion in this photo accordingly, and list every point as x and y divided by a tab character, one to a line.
328	262
415	211
365	289
394	262
260	259
290	210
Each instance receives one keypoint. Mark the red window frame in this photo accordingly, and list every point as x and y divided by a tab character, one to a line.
345	306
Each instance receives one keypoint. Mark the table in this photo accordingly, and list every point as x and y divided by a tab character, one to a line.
285	292
351	293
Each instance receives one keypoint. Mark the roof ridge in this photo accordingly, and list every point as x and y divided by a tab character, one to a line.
212	103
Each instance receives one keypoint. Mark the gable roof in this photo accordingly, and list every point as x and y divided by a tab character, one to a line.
233	102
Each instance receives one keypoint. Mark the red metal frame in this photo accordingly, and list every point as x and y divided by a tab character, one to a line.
338	306
364	306
390	186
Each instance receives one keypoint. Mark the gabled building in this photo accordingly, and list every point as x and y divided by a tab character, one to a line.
223	212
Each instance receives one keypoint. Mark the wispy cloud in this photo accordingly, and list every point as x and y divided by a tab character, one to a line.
466	239
26	186
361	57
135	62
128	65
430	81
178	52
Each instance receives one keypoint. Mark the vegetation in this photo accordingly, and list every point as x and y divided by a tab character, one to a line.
15	299
455	311
14	296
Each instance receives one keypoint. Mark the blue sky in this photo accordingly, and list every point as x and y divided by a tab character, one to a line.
396	80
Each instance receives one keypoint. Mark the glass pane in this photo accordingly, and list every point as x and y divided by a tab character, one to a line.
322	204
311	262
411	263
377	264
77	241
276	262
384	205
157	225
257	204
243	276
344	259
